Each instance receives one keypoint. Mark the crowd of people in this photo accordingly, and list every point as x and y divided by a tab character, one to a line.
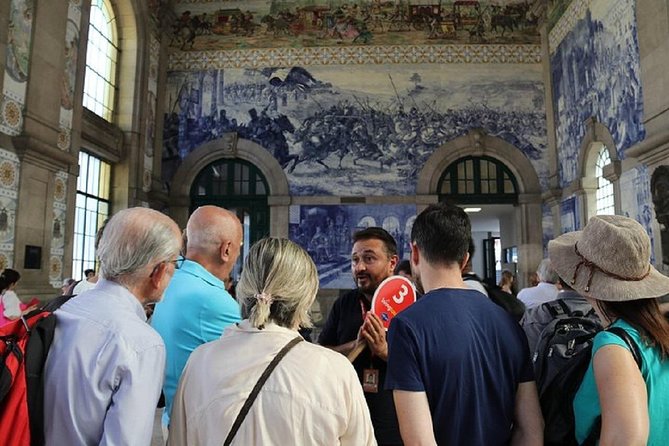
453	368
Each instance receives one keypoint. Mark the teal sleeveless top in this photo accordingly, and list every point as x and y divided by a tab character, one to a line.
655	373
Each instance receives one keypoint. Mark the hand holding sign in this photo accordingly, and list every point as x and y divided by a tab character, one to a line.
392	296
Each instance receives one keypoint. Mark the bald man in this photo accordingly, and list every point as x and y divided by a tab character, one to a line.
196	307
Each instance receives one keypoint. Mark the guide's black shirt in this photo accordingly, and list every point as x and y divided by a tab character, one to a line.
342	325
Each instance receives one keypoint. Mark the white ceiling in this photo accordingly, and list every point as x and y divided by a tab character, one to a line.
488	219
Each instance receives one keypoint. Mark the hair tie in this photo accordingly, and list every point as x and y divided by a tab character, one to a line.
264	297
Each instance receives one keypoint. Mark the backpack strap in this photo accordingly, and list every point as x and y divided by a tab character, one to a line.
634	349
557	308
256	389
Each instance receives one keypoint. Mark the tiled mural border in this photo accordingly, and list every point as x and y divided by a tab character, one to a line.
356	55
574	12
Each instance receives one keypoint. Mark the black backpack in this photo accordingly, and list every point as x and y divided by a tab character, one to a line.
509	302
561	359
514	306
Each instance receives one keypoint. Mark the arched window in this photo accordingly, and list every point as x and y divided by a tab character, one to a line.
478	180
101	59
604	197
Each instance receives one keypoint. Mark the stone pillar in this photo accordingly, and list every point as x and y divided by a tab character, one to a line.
611	172
279	208
44	168
530	251
551	144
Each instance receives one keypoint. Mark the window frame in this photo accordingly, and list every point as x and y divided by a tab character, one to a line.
105	45
605	196
93	198
473	173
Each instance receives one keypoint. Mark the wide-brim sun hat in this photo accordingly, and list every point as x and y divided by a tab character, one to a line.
608	260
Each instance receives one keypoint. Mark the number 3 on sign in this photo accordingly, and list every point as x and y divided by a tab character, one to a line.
403	292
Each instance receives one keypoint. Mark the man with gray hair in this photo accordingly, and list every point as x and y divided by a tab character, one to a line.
197	306
545	291
104	370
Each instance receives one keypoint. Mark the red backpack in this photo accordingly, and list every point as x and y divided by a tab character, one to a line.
24	347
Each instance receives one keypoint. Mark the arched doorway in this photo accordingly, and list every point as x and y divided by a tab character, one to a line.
236	185
240	187
504	176
239	175
486	183
248	153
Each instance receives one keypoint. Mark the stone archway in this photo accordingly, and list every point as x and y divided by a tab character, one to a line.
478	143
528	213
230	146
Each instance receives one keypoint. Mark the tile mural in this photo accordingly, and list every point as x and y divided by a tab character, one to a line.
69	74
325	233
636	200
9	192
17	64
596	73
59	225
354	130
569	215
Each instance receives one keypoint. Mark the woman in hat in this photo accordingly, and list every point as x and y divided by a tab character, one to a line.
609	264
312	396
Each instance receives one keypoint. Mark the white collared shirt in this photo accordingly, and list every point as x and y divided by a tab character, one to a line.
104	371
11	304
313	397
537	295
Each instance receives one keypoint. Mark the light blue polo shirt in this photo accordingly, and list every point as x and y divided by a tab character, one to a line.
195	309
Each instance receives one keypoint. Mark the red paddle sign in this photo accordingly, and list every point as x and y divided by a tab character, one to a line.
393	295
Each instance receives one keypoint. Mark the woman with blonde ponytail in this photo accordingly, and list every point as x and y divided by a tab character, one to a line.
311	396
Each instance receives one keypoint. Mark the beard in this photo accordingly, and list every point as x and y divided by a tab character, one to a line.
366	284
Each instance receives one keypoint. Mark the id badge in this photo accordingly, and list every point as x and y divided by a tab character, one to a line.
370	380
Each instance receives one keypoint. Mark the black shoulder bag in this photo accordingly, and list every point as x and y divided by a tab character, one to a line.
256	389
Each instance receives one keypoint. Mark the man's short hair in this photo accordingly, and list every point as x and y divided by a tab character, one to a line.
546	272
377	233
442	233
89	271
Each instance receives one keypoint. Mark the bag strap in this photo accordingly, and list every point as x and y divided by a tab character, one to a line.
634	349
256	389
592	438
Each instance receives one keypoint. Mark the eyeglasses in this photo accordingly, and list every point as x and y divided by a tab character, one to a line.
178	263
